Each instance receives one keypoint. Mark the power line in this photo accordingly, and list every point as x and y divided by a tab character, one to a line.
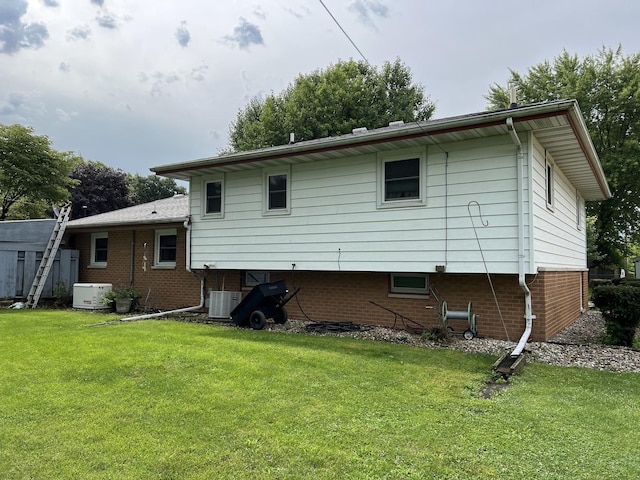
343	31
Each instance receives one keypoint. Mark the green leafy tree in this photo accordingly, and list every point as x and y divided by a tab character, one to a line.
331	102
152	187
99	189
32	174
607	88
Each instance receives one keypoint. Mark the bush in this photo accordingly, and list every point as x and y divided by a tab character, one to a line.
620	306
63	294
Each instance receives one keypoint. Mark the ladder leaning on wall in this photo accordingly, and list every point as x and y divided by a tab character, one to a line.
48	257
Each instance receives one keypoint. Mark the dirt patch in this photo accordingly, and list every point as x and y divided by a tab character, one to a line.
493	387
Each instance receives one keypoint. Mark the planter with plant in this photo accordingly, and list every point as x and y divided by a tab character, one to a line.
122	299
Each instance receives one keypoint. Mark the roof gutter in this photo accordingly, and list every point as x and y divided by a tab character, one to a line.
415	130
521	273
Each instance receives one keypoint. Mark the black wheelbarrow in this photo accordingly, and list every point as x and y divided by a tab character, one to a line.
266	300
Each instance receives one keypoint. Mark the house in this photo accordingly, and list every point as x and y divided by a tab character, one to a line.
467	206
144	246
22	244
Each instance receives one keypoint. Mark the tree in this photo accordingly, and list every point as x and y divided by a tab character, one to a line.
152	187
32	173
100	189
331	102
607	88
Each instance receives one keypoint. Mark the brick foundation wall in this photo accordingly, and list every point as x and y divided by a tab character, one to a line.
162	289
344	296
347	296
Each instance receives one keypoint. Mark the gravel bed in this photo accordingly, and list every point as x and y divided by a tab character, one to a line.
579	345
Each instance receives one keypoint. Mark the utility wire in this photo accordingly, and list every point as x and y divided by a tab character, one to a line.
343	31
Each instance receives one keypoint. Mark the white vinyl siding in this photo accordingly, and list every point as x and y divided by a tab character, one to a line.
335	223
558	243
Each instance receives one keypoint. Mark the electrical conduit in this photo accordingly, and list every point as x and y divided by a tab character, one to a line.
521	273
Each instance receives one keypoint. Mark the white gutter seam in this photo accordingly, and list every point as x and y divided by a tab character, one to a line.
521	274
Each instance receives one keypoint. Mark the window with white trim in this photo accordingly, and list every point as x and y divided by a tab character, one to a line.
579	211
402	179
99	249
548	181
277	191
416	283
165	248
213	196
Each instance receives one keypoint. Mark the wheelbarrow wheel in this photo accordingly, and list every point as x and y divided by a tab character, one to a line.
257	320
281	315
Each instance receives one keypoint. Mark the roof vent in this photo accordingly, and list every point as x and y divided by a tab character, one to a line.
292	138
397	123
513	98
359	131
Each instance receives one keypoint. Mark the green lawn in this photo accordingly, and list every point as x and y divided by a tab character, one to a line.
168	400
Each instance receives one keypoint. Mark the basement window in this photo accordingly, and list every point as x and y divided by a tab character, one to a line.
99	249
255	277
412	283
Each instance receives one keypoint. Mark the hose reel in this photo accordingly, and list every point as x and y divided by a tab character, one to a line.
469	316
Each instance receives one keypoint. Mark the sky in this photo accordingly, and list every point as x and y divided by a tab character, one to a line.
138	84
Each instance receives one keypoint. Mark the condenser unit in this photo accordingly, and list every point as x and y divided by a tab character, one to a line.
89	295
221	303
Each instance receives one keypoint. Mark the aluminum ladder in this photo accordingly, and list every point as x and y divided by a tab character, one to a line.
48	257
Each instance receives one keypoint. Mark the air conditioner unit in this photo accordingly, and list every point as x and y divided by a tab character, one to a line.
221	303
89	295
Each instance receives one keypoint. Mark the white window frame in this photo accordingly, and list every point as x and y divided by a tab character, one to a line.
405	154
549	182
94	237
408	290
206	181
579	210
165	232
256	277
271	172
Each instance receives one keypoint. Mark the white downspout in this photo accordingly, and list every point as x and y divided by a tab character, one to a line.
521	273
187	225
179	310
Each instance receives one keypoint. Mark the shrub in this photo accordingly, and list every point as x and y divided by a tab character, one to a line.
63	294
620	306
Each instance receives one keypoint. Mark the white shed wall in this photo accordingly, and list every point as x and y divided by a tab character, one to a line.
335	224
559	232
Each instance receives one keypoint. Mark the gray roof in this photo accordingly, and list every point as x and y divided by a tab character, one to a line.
168	210
558	125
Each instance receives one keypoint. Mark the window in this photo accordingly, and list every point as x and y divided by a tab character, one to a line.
401	179
578	211
99	249
255	277
277	190
548	182
213	198
416	283
165	248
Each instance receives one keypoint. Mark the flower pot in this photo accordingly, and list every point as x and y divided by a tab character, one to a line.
123	305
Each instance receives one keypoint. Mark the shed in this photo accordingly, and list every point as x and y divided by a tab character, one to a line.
22	244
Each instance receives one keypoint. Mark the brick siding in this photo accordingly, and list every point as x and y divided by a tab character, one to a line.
347	296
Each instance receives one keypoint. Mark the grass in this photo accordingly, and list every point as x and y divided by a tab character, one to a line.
168	400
